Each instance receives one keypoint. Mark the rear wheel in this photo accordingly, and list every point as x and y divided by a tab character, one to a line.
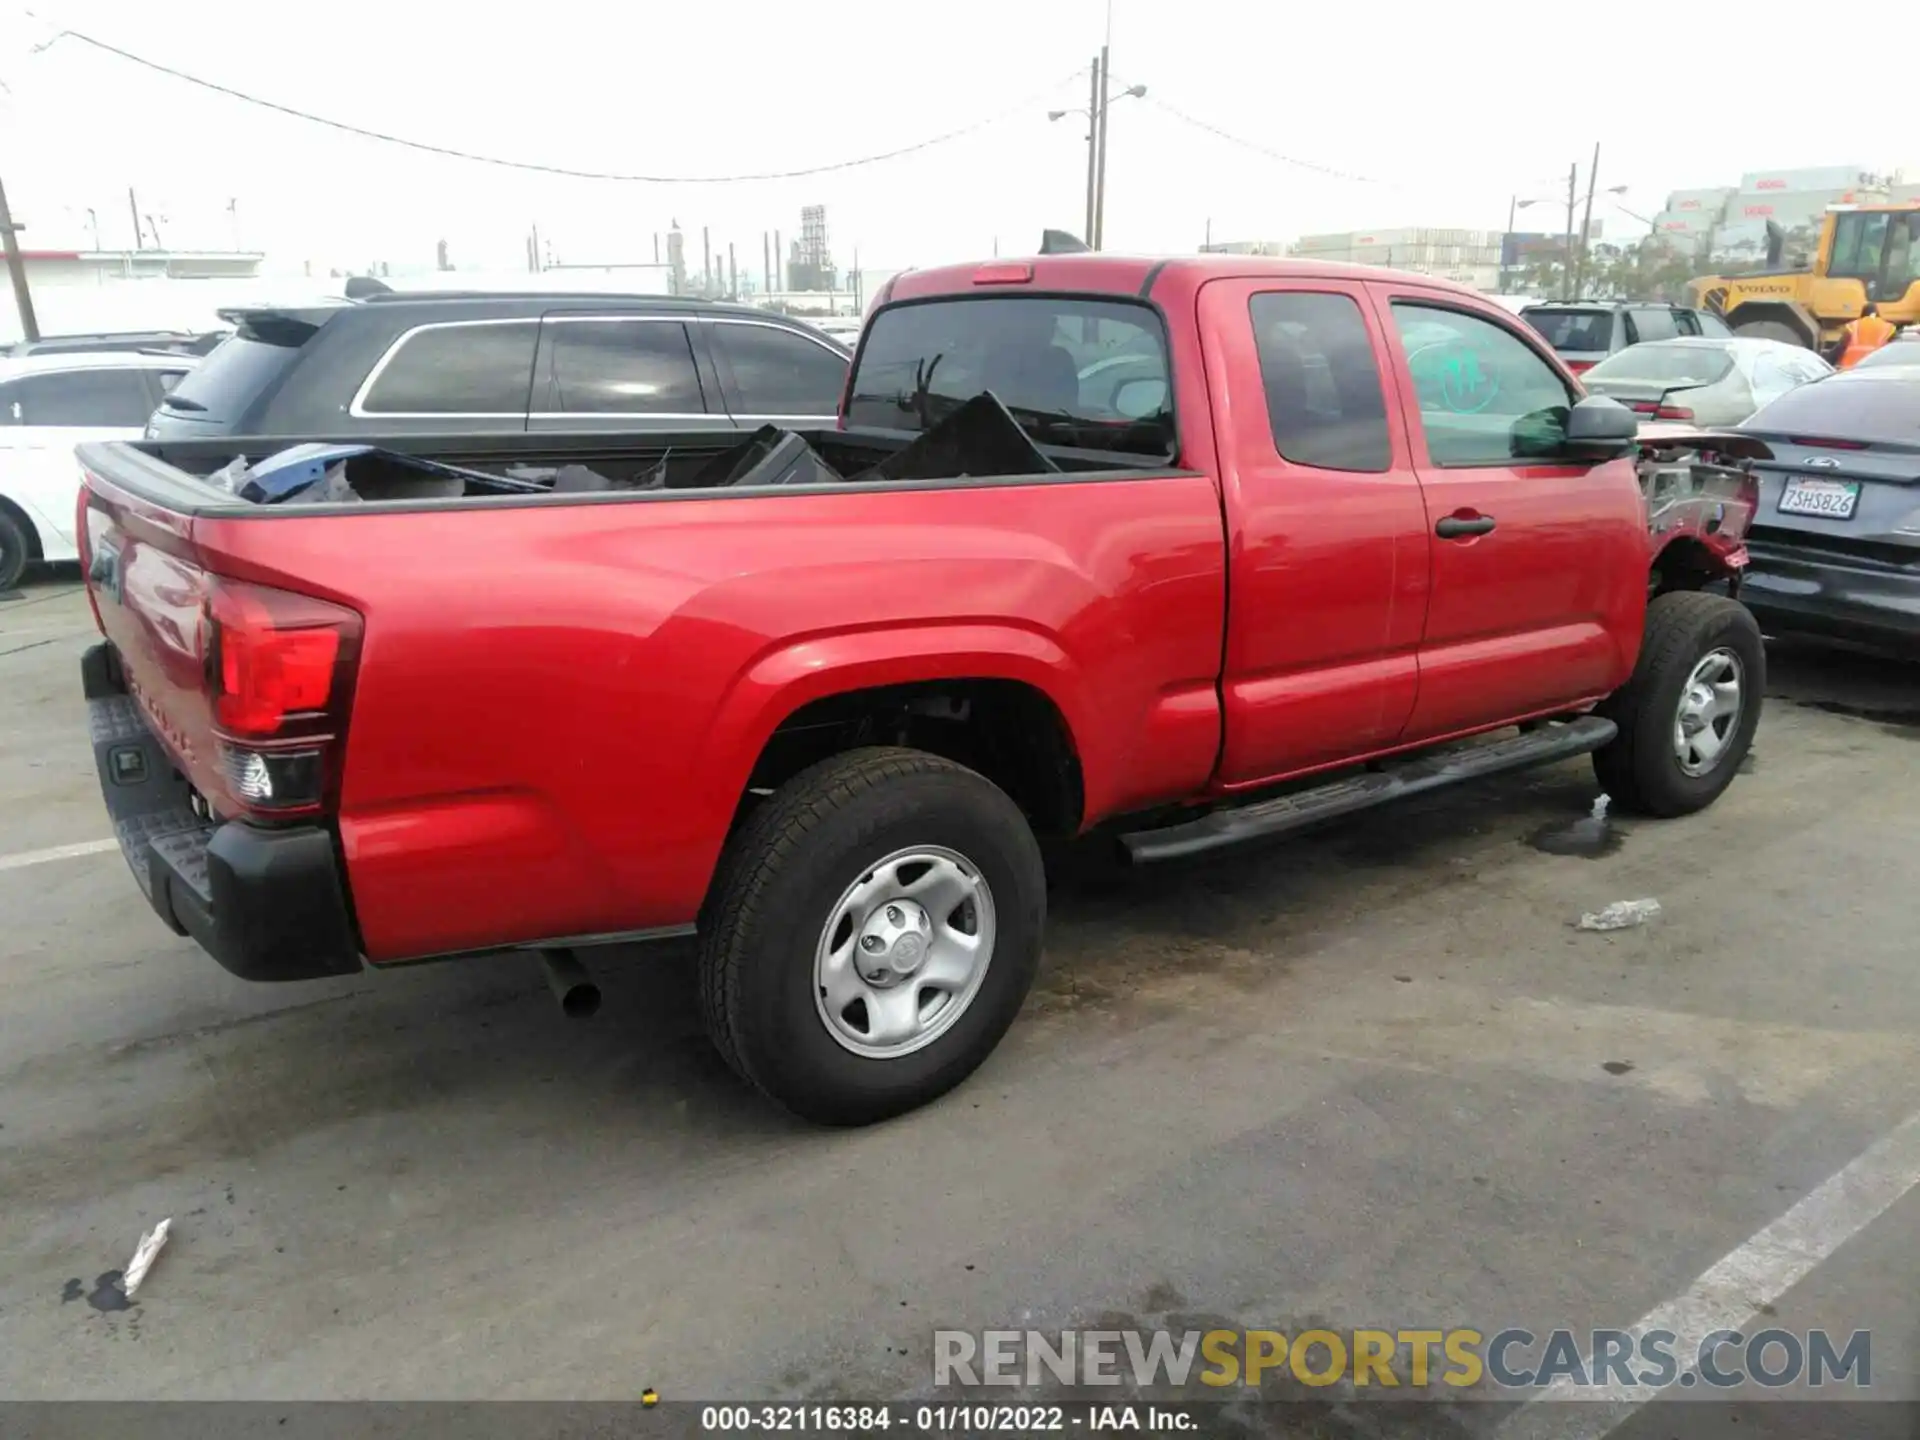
876	928
16	548
1688	715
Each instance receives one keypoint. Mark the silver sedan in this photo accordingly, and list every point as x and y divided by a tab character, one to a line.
1704	380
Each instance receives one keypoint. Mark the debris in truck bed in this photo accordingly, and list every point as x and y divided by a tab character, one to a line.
318	473
979	438
770	456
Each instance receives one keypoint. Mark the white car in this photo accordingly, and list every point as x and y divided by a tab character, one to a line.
1703	380
48	404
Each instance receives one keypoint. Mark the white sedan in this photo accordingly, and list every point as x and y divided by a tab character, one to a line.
1702	379
48	404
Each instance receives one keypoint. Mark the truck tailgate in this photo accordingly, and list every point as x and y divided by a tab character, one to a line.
149	590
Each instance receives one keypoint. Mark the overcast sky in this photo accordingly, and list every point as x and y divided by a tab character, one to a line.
1446	110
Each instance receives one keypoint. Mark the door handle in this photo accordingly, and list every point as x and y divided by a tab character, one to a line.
1459	527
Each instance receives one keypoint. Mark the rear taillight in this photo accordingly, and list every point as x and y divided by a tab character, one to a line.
1644	407
1820	442
1580	367
279	674
1673	412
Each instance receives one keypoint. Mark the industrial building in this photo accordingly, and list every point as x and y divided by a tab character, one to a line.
1467	257
77	291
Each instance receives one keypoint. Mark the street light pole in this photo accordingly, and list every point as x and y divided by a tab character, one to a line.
1093	153
1100	185
17	268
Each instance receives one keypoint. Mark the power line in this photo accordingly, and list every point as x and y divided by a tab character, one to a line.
1258	148
566	172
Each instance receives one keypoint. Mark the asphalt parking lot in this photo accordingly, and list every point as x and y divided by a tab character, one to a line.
1369	1077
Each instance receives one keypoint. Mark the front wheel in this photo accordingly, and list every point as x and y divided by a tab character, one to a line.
15	550
1688	715
876	927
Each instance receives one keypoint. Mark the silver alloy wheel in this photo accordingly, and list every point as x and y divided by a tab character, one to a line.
903	952
1710	705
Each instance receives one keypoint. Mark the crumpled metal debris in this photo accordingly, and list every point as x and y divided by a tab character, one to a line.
1620	915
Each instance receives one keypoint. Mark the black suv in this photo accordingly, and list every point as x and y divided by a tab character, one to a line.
394	363
1585	332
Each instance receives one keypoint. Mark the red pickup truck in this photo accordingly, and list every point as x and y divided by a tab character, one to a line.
1268	542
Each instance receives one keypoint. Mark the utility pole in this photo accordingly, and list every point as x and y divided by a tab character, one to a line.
706	261
17	268
537	266
1566	254
133	208
1100	181
733	275
766	260
1093	152
1586	226
779	262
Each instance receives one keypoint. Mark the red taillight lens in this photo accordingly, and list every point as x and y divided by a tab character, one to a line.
1644	407
1005	272
268	674
1821	442
1673	412
1580	367
280	672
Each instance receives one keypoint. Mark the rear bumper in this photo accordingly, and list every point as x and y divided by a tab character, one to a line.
1828	597
268	904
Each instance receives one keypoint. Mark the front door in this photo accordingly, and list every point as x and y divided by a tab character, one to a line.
1327	551
1539	563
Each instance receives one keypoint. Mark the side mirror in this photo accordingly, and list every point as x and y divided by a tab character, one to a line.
1599	428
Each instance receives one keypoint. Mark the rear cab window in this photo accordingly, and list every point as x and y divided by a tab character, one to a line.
1078	371
1573	332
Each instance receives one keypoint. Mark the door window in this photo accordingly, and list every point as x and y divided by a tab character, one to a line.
616	366
1485	396
1685	322
1653	323
1322	385
776	372
460	369
85	399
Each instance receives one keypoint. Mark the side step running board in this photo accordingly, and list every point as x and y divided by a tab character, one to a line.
1302	808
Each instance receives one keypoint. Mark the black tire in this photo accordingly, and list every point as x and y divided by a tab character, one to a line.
1771	330
16	548
782	876
1641	768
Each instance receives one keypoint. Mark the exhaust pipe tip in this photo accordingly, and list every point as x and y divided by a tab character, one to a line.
572	986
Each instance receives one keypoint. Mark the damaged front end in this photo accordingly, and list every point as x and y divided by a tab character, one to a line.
1701	498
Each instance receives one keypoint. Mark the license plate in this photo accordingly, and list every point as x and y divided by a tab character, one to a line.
1828	499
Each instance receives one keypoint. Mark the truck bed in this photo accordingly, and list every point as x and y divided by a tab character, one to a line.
559	697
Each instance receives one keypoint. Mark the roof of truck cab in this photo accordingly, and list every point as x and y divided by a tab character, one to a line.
1139	275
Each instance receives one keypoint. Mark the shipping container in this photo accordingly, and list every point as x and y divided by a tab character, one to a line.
1792	208
1707	202
1825	177
1675	222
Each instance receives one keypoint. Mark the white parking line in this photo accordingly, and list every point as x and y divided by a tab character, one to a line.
1732	1291
58	852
